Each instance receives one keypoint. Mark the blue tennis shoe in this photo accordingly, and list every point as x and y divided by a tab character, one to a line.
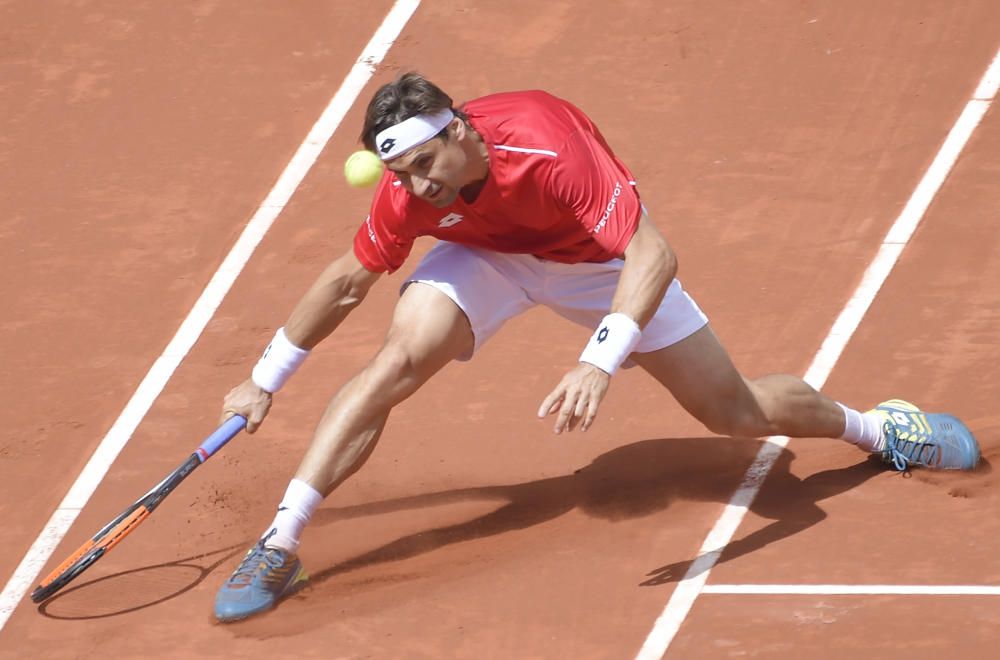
265	576
933	440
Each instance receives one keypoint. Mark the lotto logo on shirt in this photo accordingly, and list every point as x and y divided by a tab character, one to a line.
610	208
450	219
371	232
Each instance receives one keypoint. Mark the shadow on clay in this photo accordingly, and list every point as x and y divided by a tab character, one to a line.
135	589
628	482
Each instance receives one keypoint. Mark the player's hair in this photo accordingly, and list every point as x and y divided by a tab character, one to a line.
408	95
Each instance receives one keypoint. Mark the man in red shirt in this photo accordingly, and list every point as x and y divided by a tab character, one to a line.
531	206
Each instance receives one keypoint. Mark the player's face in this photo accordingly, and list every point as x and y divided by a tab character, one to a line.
434	171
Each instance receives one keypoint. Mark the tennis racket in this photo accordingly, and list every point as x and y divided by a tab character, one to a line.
116	530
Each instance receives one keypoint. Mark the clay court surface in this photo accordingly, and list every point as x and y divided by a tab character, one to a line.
775	143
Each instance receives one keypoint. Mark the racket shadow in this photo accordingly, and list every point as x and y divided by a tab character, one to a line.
135	589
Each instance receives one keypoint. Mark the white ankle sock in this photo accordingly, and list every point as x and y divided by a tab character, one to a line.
863	430
294	512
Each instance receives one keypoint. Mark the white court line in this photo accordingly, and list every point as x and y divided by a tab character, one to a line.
162	370
852	589
693	583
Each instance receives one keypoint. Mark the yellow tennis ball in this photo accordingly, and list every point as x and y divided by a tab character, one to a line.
363	168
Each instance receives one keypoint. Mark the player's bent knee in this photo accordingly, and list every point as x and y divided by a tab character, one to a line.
736	421
394	374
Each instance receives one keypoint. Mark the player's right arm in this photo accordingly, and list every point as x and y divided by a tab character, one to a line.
339	288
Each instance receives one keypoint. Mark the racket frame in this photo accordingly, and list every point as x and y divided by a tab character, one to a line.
125	523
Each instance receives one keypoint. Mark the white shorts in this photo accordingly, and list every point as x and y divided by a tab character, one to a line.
492	287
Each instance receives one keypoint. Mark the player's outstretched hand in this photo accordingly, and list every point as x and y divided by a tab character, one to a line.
249	400
576	398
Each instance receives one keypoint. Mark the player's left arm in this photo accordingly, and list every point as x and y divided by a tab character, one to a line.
650	266
587	178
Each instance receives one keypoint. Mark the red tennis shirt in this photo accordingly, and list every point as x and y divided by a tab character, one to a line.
555	190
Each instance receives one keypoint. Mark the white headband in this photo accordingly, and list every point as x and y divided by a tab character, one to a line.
410	133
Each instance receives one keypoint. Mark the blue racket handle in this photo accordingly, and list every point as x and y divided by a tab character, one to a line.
220	436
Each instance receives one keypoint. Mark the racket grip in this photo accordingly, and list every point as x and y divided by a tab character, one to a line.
220	436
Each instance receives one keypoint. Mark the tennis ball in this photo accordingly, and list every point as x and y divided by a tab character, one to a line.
363	168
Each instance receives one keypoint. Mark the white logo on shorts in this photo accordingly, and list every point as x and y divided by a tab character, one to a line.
450	219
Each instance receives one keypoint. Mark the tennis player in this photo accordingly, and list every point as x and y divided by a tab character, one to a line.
531	207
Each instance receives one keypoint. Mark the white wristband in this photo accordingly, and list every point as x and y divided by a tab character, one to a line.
615	338
280	360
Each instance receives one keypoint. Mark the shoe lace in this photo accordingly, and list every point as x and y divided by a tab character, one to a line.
901	452
260	558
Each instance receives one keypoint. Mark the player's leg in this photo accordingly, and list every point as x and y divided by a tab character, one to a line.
452	304
702	378
700	375
428	330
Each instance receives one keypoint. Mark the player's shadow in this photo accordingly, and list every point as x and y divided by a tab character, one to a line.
790	502
628	482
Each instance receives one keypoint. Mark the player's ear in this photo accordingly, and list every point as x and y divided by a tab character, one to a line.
458	129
